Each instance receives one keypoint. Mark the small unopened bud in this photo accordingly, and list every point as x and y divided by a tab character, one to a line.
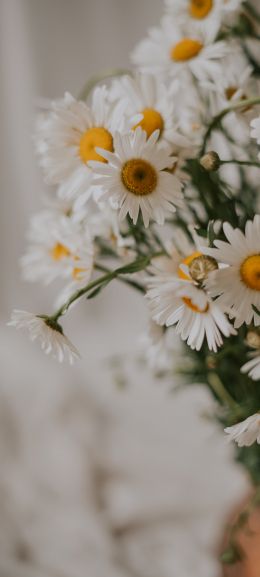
253	339
201	266
210	161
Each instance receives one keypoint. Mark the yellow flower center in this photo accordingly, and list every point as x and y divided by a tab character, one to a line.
151	121
186	49
188	302
97	136
187	261
250	272
139	177
200	8
230	91
59	251
77	273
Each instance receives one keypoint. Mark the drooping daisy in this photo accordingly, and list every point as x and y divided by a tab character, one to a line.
134	179
59	248
149	103
246	432
237	285
255	132
181	303
68	137
172	50
48	332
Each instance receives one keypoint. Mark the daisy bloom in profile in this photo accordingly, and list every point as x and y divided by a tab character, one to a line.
252	367
160	347
151	105
181	303
246	432
67	139
172	51
238	283
48	332
59	248
135	180
255	132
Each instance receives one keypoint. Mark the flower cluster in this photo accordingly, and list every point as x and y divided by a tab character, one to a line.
153	177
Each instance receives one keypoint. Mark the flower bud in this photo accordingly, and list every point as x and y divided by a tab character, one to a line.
210	161
201	266
253	339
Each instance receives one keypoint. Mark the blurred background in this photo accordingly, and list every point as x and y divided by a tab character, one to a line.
104	471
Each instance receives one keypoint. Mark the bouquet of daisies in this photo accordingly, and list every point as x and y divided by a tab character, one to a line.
153	175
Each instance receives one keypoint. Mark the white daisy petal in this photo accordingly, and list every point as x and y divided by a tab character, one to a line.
246	432
49	334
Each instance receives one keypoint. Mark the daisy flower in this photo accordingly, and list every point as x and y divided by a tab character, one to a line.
48	332
246	432
59	247
151	105
238	283
104	224
67	139
201	12
160	347
252	367
255	132
134	178
181	303
173	51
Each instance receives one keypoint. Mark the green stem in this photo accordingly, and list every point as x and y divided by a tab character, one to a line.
135	266
79	293
105	75
252	10
217	119
221	392
241	162
131	283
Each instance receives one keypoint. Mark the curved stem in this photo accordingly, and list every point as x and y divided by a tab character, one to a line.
131	283
106	74
134	266
217	119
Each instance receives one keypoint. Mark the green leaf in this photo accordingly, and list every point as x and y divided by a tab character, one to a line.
232	554
139	264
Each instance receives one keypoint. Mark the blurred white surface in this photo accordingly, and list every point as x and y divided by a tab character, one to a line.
93	480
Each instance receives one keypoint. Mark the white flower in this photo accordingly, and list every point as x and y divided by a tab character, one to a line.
202	12
48	332
68	137
255	132
160	347
246	432
181	303
135	180
252	367
238	283
172	51
149	103
105	226
59	247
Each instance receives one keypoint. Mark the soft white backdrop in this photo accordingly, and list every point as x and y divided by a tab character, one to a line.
93	480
